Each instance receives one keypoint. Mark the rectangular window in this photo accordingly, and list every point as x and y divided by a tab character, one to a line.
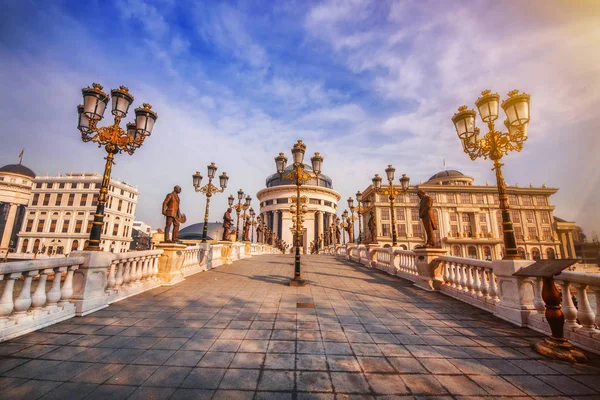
49	185
52	226
61	185
58	199
499	220
482	218
414	199
512	200
454	230
400	216
545	216
414	214
532	232
496	199
451	197
78	225
453	217
516	216
417	232
40	227
547	232
65	227
71	199
541	200
89	226
385	214
83	201
479	198
465	198
29	225
38	185
314	201
402	230
518	232
86	185
529	217
382	198
95	200
385	230
484	230
46	199
326	203
36	199
527	200
466	217
122	192
115	230
467	231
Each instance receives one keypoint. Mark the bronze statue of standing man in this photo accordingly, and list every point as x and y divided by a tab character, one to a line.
170	209
426	214
227	222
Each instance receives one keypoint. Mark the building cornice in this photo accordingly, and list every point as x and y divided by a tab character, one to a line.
292	188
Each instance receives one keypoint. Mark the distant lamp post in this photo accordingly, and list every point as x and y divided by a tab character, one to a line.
391	192
361	209
209	189
495	144
352	218
252	224
239	208
113	138
299	176
343	225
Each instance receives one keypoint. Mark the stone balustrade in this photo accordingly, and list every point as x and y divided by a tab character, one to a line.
39	293
24	309
491	286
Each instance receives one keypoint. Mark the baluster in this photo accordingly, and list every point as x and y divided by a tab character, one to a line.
145	268
23	300
585	313
67	288
111	276
485	286
6	301
477	282
53	295
155	269
596	290
452	274
470	270
119	277
459	276
568	308
465	277
38	300
139	271
127	273
538	302
493	286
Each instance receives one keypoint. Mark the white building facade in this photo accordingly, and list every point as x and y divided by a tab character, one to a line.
60	213
276	199
16	181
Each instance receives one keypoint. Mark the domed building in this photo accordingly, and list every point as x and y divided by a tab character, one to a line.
469	218
276	199
16	182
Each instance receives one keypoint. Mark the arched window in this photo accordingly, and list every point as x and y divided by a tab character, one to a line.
550	254
487	253
456	252
521	252
24	246
75	245
535	254
60	250
472	252
86	244
36	245
403	247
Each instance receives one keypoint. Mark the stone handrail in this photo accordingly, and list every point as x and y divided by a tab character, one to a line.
132	267
31	310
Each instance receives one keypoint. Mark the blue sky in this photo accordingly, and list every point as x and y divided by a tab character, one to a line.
365	83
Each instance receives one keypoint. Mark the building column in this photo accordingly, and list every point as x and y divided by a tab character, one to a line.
316	226
563	243
321	224
571	244
8	227
276	224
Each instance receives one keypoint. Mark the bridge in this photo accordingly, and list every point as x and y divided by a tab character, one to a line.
219	322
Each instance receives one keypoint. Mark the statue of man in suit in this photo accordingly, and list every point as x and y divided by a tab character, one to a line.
227	222
428	217
170	209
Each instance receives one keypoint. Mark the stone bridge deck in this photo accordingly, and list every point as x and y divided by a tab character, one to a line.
238	332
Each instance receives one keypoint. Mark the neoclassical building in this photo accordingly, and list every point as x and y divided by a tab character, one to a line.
16	181
469	218
275	201
61	210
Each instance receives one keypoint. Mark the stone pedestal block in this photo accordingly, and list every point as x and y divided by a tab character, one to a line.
90	281
430	275
515	293
170	263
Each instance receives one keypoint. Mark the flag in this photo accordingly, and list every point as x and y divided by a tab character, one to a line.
21	156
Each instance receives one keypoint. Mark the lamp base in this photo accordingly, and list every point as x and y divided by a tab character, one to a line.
297	282
559	349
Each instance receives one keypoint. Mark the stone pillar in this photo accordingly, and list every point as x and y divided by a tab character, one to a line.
430	272
571	245
275	224
515	294
321	224
8	227
170	263
90	281
564	247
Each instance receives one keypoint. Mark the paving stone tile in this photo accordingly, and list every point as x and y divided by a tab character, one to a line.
532	385
185	358
307	347
311	362
167	376
387	384
31	368
277	381
394	350
313	382
308	335
315	396
423	351
261	334
366	349
132	375
566	385
459	385
240	379
405	365
63	353
254	346
70	391
116	342
345	382
35	351
193	394
31	389
92	354
337	348
471	367
343	363
198	344
233	395
63	371
213	359
97	373
281	346
375	364
424	385
496	385
112	392
153	357
154	393
279	361
61	339
534	367
204	378
272	396
6	364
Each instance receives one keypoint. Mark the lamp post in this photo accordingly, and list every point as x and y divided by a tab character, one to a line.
113	138
208	190
343	225
362	207
495	144
252	224
352	218
239	207
391	192
299	176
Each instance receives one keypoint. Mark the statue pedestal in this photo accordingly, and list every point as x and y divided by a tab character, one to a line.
430	274
170	263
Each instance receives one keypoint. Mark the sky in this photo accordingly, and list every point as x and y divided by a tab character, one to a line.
366	83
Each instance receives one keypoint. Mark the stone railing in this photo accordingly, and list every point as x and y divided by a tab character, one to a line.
24	309
88	281
491	286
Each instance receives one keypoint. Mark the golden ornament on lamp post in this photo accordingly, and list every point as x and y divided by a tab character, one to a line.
113	137
362	207
209	189
391	192
496	144
299	176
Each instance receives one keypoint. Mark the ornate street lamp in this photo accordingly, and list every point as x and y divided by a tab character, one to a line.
352	218
300	177
495	144
239	208
208	190
113	138
253	224
391	192
343	225
362	208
